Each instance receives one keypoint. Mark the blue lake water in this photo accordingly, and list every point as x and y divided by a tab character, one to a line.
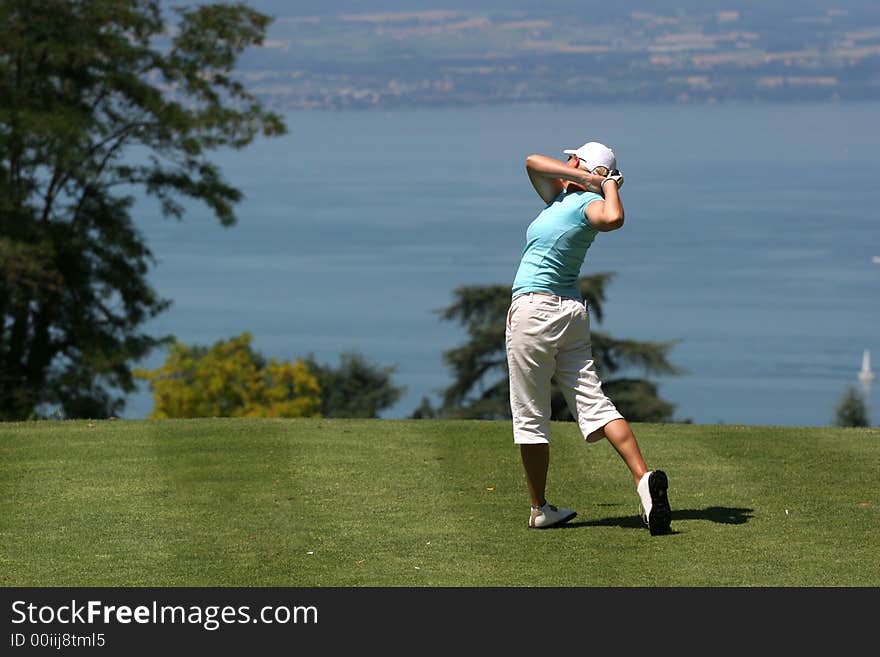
749	237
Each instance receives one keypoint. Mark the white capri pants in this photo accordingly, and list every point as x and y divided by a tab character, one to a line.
549	336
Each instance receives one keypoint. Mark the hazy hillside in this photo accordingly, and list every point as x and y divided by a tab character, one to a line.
410	53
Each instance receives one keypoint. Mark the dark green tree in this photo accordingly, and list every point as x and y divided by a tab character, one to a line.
480	387
851	411
424	411
357	388
99	98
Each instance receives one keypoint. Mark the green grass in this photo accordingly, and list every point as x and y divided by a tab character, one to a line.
348	503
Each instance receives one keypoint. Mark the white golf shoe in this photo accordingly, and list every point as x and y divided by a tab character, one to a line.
548	515
654	503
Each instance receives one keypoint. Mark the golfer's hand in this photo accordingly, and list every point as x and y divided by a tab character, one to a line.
593	182
616	176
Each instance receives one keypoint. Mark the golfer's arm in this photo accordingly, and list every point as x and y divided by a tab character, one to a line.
547	174
606	215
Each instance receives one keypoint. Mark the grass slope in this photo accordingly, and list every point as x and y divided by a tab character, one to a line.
427	503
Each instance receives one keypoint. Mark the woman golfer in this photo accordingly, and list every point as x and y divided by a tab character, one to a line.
548	329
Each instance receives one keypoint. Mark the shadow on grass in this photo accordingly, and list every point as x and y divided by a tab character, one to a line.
720	514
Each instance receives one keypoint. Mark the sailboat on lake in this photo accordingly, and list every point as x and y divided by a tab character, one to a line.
866	374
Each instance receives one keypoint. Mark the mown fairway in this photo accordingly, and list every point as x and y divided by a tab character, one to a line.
427	503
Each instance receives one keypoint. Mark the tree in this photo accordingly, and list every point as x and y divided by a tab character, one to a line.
82	84
480	387
424	411
230	379
357	388
852	410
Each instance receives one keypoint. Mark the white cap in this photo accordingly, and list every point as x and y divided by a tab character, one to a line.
595	154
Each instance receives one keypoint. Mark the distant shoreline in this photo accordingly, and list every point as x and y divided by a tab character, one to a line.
400	56
831	102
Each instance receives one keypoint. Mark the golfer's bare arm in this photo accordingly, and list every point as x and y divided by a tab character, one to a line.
547	174
606	215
